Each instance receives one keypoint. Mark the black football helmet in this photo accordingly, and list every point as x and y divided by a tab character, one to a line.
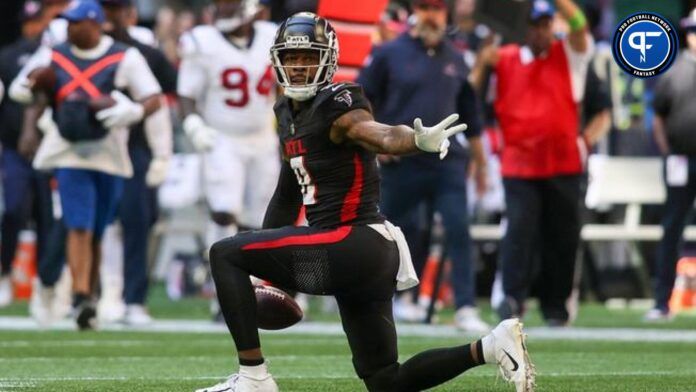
305	31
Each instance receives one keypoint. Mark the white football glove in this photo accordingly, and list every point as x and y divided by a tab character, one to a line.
20	90
123	114
45	123
434	139
202	136
157	172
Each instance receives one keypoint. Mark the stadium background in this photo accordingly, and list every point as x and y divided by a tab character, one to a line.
609	349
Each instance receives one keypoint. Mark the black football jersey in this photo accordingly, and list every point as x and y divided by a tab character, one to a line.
339	182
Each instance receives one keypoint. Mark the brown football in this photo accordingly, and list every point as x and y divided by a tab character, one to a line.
101	103
42	79
275	309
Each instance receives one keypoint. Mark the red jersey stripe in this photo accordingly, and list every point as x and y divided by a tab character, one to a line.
329	237
352	200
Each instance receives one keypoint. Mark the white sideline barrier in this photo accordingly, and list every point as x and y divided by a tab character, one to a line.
630	181
591	232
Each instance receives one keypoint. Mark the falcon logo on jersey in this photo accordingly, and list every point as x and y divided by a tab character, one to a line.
345	97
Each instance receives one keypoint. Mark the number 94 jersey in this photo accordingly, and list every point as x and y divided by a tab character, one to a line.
339	182
233	87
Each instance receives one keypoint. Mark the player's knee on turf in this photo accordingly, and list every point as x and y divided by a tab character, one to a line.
223	218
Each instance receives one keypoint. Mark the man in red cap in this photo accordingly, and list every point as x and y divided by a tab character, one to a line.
537	92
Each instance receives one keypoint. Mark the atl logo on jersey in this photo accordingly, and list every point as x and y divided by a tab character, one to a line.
294	147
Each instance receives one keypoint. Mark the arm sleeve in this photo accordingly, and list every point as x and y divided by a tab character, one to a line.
159	131
135	75
468	109
285	204
191	82
373	77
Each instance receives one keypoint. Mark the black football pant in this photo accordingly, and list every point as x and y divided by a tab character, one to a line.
543	218
358	266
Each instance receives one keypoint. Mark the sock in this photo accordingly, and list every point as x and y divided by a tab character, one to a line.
434	367
258	372
78	299
488	348
251	362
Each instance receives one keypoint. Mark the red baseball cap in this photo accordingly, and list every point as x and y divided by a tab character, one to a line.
430	3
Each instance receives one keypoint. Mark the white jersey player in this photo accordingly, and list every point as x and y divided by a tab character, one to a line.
226	87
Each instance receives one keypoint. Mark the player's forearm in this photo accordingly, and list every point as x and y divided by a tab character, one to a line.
158	132
478	154
29	137
398	140
577	38
384	139
151	104
187	105
567	8
477	75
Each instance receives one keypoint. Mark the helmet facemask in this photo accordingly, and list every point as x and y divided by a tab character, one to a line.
316	75
323	43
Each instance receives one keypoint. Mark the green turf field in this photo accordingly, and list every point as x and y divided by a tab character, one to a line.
165	361
591	314
126	361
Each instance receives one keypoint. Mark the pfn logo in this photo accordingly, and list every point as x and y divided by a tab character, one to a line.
645	44
642	46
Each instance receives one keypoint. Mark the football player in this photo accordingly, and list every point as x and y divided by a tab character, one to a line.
226	91
349	250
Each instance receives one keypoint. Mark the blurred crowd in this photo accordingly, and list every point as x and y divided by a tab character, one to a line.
540	93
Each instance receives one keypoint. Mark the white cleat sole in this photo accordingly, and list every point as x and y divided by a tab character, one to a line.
528	381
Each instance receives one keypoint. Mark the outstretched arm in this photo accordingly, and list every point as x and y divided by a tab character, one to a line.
360	127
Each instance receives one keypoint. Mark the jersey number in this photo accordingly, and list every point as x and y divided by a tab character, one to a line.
237	79
307	186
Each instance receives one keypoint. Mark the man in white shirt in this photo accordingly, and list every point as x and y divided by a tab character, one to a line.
88	150
226	89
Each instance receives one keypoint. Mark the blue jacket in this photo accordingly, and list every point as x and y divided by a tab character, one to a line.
403	82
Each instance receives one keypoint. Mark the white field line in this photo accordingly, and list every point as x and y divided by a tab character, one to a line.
188	358
335	329
33	380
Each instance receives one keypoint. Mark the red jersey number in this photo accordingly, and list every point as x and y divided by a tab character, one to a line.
237	79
